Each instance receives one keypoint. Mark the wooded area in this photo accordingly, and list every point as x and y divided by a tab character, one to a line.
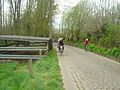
27	17
98	21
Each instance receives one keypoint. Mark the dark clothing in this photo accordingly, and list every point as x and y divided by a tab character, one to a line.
61	43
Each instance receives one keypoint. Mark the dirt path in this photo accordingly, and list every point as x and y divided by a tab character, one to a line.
83	70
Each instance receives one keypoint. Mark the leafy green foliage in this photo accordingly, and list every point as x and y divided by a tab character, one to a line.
34	20
75	19
115	52
102	29
112	35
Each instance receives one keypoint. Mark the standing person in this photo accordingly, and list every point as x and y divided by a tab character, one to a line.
86	42
60	43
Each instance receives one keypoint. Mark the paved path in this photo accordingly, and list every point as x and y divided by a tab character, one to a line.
83	70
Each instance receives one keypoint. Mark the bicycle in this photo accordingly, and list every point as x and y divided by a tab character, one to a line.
86	47
61	48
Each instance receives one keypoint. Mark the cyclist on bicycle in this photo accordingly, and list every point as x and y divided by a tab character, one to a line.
86	42
60	43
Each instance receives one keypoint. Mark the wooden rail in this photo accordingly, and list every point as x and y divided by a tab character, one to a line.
24	38
45	44
27	40
20	57
23	48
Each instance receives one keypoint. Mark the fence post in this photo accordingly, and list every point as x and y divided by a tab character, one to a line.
40	52
50	46
30	67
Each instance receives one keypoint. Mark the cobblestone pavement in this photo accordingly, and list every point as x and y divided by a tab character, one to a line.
83	70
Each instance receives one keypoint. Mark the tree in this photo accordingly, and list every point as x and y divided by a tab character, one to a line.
95	21
0	15
35	19
77	17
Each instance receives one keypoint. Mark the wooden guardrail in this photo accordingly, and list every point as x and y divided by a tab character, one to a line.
23	48
20	57
27	40
43	44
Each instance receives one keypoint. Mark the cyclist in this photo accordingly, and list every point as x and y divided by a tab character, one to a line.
60	43
86	42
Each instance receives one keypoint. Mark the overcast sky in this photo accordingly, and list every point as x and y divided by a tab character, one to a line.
63	5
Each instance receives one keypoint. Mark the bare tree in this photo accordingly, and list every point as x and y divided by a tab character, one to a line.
15	6
0	14
3	13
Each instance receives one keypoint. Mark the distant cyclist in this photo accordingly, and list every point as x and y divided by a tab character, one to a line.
86	42
60	43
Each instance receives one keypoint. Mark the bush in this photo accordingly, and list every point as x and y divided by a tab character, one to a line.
81	45
114	51
117	54
107	53
99	50
95	49
91	47
103	50
119	57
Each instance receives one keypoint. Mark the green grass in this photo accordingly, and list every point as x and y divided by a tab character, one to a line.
46	75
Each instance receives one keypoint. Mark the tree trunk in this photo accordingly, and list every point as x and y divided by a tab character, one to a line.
0	15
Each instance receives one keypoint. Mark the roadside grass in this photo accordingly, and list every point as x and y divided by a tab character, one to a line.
113	53
46	75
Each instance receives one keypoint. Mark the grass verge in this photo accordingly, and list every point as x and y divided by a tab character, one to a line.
46	75
113	53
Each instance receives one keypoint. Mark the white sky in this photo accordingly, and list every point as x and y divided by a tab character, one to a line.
6	7
63	6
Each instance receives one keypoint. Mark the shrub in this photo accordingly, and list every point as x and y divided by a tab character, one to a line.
119	57
103	50
114	50
95	49
81	45
99	50
107	53
117	54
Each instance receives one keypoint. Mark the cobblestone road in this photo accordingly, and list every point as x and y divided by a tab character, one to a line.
83	70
